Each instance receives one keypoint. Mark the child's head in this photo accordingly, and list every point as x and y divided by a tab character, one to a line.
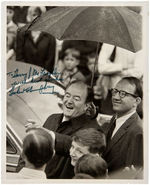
71	58
10	13
38	148
91	62
92	165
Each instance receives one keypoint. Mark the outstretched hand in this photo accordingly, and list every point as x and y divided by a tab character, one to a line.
31	124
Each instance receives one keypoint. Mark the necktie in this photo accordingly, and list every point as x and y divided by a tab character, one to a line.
111	130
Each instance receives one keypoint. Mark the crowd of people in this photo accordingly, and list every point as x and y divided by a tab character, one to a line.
83	147
73	144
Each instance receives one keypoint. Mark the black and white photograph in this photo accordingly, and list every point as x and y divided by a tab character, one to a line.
74	92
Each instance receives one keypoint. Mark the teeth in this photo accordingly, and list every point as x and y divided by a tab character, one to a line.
69	107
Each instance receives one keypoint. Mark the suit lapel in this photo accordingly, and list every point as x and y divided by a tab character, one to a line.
121	131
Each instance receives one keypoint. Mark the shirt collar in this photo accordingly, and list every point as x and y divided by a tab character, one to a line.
125	117
33	173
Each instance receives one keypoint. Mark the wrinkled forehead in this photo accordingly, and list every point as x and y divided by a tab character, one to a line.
77	88
125	85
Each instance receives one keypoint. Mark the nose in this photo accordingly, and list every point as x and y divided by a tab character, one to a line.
72	152
70	100
116	96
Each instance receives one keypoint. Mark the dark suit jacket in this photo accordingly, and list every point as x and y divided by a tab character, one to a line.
60	166
41	53
126	146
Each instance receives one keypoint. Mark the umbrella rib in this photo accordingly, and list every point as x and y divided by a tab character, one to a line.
65	30
79	14
126	26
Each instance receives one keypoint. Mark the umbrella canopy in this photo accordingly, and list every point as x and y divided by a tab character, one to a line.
118	26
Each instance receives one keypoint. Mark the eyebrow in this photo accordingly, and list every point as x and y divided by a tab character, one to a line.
75	96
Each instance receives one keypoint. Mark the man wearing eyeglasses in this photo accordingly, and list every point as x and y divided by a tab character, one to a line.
124	133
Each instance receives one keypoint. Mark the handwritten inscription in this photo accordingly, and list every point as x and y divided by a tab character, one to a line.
42	89
20	79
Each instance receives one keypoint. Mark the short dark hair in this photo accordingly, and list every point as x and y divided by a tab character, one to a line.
65	52
38	11
93	138
138	85
38	147
92	165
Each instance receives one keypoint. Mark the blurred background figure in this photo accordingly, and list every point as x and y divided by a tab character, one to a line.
36	47
90	66
92	165
38	149
20	15
11	33
85	48
70	72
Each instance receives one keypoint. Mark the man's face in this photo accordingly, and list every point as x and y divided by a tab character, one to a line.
74	101
77	150
128	103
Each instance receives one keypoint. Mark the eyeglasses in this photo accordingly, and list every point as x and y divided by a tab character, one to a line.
122	94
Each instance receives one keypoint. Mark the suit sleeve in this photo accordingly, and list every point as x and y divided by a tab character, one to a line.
62	144
135	151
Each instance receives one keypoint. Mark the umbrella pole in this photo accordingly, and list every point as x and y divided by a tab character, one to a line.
96	59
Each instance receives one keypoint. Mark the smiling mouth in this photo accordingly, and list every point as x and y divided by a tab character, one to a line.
116	103
74	159
69	107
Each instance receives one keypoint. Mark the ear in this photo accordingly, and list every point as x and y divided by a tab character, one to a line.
97	154
138	100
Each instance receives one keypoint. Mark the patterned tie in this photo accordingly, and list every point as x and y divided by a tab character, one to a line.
111	130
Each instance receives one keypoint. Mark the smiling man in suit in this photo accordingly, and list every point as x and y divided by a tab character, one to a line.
124	133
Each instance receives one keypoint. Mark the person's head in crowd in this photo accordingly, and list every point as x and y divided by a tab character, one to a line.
71	58
38	148
75	99
10	13
92	165
127	95
34	11
87	141
82	176
91	62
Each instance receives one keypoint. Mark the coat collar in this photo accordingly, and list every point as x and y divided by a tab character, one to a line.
76	123
39	38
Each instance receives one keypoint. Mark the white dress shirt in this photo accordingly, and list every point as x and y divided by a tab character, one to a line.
120	121
27	173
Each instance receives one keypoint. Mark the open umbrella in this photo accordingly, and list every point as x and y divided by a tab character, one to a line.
119	26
